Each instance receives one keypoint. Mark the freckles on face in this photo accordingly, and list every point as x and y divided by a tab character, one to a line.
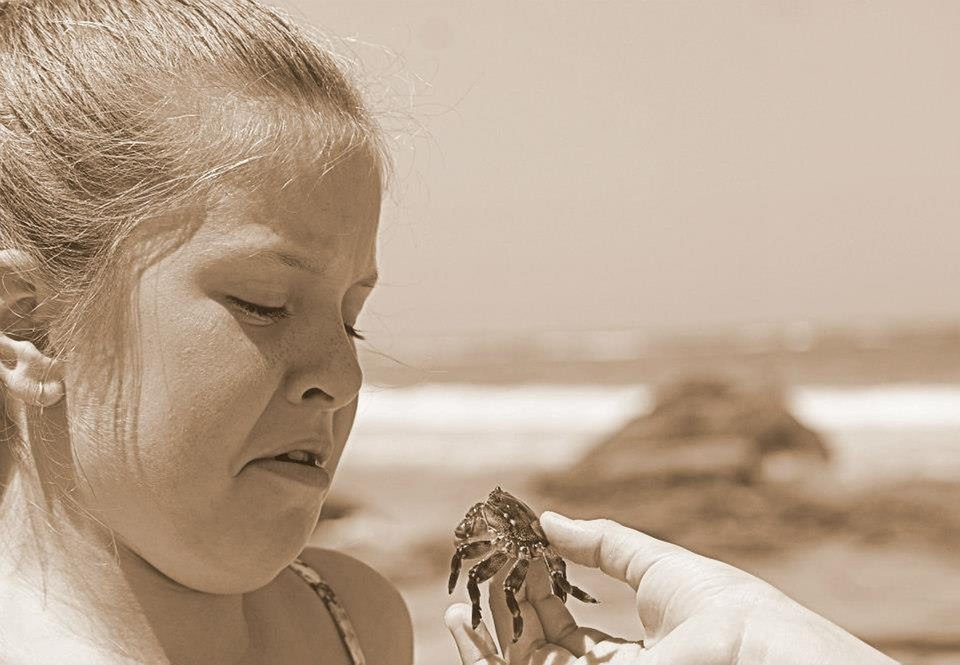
242	345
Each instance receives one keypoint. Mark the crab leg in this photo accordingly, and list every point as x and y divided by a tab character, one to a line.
577	592
561	586
470	550
481	573
558	571
510	587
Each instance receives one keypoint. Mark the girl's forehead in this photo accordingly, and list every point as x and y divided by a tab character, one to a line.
297	176
264	144
305	188
329	213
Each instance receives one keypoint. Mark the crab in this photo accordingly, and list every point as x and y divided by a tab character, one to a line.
504	529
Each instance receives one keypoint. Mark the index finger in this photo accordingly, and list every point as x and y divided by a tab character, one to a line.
558	624
532	636
618	551
546	619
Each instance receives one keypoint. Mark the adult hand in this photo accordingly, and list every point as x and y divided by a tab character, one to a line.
546	638
694	610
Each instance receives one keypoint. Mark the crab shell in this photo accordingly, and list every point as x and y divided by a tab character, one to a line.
502	515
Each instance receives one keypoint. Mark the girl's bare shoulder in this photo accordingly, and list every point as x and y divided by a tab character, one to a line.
374	605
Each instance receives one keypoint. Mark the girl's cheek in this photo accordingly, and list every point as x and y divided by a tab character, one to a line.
207	351
203	393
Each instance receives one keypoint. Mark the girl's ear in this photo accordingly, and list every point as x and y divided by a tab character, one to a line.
18	296
27	373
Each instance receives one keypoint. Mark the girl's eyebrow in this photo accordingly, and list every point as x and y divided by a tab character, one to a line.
287	259
302	263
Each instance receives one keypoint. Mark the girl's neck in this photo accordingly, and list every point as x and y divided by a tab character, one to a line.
65	584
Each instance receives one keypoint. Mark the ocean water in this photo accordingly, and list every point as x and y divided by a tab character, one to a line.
875	432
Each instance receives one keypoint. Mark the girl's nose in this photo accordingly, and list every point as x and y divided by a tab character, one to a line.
330	381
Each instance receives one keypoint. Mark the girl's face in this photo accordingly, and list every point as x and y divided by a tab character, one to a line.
243	349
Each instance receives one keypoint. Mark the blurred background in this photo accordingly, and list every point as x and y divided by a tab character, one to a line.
687	265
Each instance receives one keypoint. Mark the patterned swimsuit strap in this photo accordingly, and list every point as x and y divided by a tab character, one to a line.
340	618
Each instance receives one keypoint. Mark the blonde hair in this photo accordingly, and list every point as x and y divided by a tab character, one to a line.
99	118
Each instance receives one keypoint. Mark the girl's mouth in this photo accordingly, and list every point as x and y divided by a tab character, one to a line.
311	476
299	457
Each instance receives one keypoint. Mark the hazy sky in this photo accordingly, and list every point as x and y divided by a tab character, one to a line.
663	165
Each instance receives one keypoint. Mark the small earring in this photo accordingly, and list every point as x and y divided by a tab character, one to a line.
50	393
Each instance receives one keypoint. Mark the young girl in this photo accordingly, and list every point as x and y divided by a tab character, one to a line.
189	199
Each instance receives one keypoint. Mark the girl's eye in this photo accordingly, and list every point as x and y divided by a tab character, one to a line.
277	313
274	313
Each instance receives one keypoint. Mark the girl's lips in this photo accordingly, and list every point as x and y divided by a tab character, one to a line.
292	473
321	448
299	457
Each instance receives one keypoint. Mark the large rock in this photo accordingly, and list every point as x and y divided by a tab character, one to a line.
704	429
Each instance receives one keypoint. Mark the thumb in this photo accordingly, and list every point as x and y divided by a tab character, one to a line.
476	647
617	550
